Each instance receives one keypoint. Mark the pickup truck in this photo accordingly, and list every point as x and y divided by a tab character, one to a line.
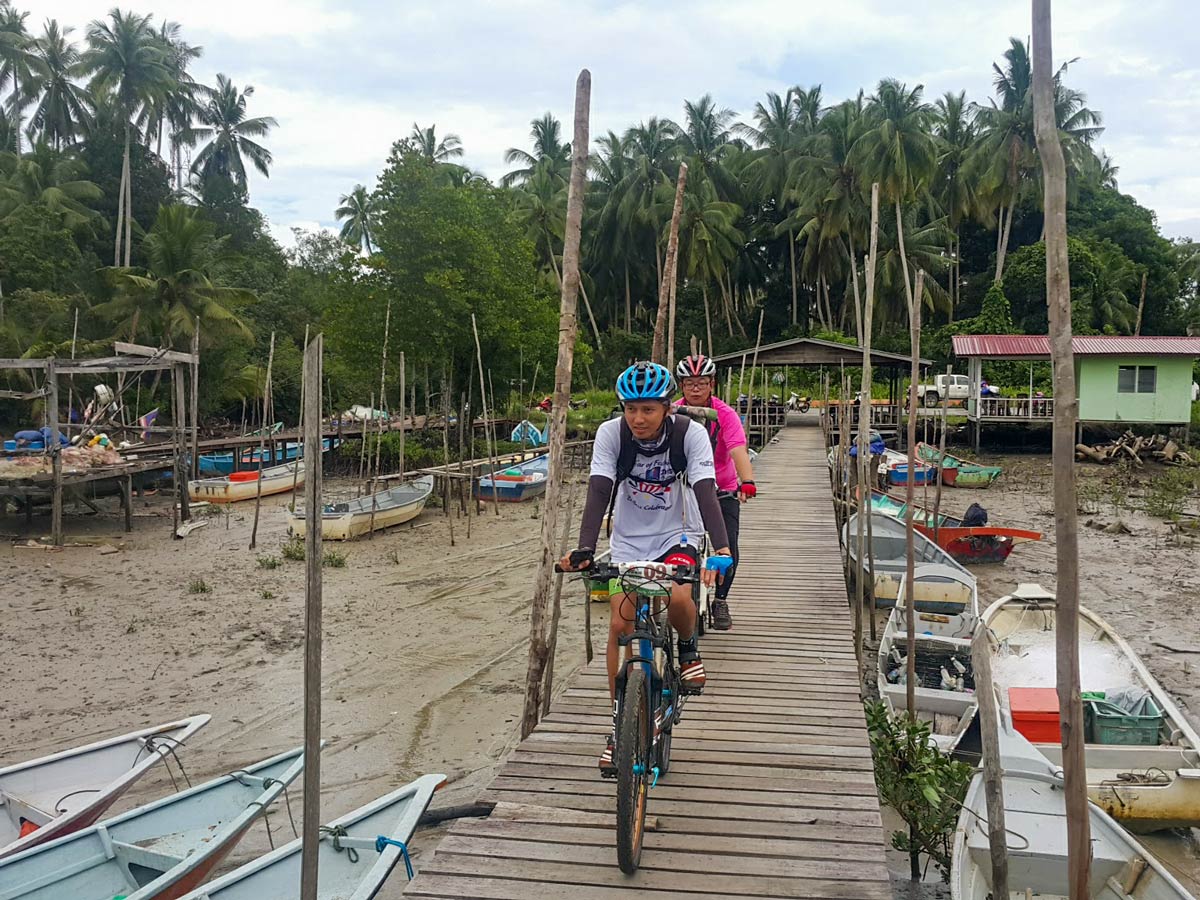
944	387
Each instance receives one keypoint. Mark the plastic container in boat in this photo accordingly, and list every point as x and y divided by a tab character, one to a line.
1035	713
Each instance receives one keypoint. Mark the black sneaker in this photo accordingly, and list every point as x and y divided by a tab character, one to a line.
720	616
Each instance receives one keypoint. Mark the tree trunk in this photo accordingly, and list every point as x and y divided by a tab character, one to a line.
128	205
864	436
657	353
999	244
1004	244
792	255
954	263
725	304
1137	329
858	308
708	348
118	232
910	619
908	291
1066	405
628	304
557	426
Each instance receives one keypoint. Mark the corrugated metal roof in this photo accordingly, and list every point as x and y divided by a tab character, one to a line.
1038	345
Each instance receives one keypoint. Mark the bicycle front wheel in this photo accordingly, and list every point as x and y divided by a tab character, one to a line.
634	761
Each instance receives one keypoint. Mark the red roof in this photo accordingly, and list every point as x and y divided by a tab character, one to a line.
1037	346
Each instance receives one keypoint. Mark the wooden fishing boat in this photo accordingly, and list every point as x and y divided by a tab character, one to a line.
894	468
222	462
159	851
1035	817
372	832
959	472
56	795
1145	786
889	549
383	509
945	689
522	481
970	545
245	485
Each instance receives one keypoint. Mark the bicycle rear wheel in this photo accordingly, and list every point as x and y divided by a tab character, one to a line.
634	761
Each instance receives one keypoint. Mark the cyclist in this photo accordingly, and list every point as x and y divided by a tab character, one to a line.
654	473
735	475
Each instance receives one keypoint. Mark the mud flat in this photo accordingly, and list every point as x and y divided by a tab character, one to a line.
425	648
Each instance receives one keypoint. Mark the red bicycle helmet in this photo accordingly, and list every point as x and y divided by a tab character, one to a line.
697	366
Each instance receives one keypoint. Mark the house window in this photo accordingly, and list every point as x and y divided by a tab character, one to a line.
1137	379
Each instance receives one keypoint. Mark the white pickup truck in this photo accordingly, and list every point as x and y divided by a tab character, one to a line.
944	387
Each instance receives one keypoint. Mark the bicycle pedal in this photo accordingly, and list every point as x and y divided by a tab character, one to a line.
611	774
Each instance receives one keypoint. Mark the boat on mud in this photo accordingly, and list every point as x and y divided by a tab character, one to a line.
159	851
245	485
1142	754
356	855
342	521
956	471
223	462
889	550
1035	818
966	543
515	483
945	611
47	798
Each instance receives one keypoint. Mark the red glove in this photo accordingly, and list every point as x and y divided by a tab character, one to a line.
747	490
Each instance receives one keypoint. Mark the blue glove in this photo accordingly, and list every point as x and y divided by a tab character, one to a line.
718	563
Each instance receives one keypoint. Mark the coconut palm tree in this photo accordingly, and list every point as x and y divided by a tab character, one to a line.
549	151
425	142
179	106
704	140
357	208
53	178
229	133
180	284
16	56
541	209
954	189
709	240
64	108
126	60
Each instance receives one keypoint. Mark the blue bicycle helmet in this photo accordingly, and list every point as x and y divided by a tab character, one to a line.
646	381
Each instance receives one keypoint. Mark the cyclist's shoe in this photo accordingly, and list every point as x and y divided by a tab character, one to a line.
691	672
721	620
608	768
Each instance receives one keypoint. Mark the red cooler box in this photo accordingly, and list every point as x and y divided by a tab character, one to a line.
1035	714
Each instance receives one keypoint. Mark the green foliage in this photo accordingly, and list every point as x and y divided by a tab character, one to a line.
334	559
1168	492
293	548
269	562
199	586
38	252
924	786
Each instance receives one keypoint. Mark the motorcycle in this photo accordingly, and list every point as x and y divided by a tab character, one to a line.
796	403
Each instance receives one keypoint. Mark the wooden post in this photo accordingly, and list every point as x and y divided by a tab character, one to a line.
568	328
312	621
300	447
71	380
556	603
937	492
403	373
261	458
658	349
989	736
1137	329
1066	406
865	318
483	399
195	385
910	621
180	409
387	324
447	480
55	450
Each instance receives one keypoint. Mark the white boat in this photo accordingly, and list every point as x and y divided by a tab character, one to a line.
890	549
350	519
55	795
245	485
1145	787
159	851
1035	819
353	865
945	690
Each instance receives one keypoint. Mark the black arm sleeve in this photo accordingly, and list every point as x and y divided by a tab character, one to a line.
599	493
710	512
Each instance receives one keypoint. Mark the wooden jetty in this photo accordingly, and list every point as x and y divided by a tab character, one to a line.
771	791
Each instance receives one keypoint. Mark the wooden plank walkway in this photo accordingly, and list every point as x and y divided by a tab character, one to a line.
771	791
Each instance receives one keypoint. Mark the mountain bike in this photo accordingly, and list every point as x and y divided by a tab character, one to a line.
649	699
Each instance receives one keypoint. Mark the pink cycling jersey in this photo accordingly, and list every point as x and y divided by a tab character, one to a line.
730	434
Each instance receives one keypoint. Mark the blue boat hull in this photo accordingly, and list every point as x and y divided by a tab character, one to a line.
222	463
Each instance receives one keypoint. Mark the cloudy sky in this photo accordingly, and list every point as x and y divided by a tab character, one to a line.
345	79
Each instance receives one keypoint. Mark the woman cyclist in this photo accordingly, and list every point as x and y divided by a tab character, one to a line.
656	511
734	474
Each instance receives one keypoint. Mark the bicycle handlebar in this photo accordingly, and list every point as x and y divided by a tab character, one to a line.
650	569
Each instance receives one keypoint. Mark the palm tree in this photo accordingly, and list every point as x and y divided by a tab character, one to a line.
179	285
425	142
704	140
955	132
126	59
549	151
632	206
541	209
1117	280
358	209
229	132
709	240
52	178
15	58
65	107
179	105
899	152
808	108
610	248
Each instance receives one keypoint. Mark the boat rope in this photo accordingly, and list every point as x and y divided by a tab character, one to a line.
383	841
983	820
165	746
336	833
58	810
1152	775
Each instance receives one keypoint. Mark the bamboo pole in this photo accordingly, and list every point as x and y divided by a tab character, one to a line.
556	602
910	623
312	623
1066	407
658	350
180	406
71	383
937	491
261	441
753	369
568	329
1137	329
403	412
989	738
483	399
447	480
495	444
865	318
300	427
195	384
